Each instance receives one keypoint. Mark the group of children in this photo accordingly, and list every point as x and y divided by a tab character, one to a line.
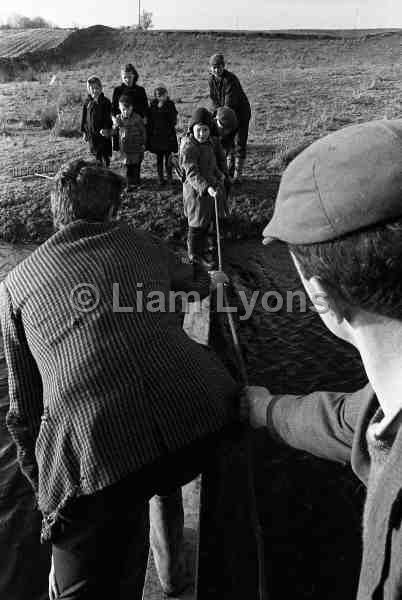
130	125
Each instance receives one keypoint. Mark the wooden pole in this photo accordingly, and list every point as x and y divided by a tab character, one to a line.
139	14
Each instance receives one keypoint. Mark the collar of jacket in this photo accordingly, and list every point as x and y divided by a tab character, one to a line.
385	498
98	101
83	228
219	79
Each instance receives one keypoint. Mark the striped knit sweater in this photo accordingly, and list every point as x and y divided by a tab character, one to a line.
97	394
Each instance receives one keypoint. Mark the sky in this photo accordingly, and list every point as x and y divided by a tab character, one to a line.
215	14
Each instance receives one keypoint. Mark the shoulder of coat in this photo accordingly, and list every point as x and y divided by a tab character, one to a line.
188	143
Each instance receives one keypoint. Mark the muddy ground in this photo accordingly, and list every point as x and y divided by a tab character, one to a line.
310	509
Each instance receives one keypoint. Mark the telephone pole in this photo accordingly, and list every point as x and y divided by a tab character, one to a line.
139	14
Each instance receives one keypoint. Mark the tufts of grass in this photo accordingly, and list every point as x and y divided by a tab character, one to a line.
48	116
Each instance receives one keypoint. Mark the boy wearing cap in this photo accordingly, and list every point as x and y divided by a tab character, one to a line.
339	210
203	163
225	90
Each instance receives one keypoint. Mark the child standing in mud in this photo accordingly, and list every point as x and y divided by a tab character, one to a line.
96	122
203	163
132	137
162	139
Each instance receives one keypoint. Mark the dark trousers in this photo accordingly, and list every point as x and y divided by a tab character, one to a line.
24	561
102	159
133	174
242	136
100	551
162	159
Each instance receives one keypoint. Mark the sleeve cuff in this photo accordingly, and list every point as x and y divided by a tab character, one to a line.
272	416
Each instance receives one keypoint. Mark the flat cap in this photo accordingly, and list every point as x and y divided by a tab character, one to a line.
217	59
346	181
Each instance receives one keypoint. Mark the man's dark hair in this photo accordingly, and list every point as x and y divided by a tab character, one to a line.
365	267
83	190
126	100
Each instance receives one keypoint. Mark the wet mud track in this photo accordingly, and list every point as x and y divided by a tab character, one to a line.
310	509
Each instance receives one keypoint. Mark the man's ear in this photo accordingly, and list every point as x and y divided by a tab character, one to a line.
327	298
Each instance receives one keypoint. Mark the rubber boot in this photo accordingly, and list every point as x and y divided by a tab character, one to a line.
130	171
192	250
208	251
136	173
213	244
238	174
167	542
196	247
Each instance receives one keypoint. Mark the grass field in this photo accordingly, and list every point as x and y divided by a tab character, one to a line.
300	87
20	42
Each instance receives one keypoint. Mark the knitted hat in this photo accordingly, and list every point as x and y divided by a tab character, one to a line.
201	116
344	182
217	59
227	118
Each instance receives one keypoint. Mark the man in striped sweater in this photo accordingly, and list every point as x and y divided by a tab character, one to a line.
110	401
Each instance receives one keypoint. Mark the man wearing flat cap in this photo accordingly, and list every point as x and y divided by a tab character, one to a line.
339	210
225	90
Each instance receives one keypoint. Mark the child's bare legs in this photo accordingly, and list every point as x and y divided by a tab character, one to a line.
163	161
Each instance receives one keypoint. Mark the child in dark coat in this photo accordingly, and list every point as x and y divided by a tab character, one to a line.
96	122
203	163
130	128
129	87
137	94
162	139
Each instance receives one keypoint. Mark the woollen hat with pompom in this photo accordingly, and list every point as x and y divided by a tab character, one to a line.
345	182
